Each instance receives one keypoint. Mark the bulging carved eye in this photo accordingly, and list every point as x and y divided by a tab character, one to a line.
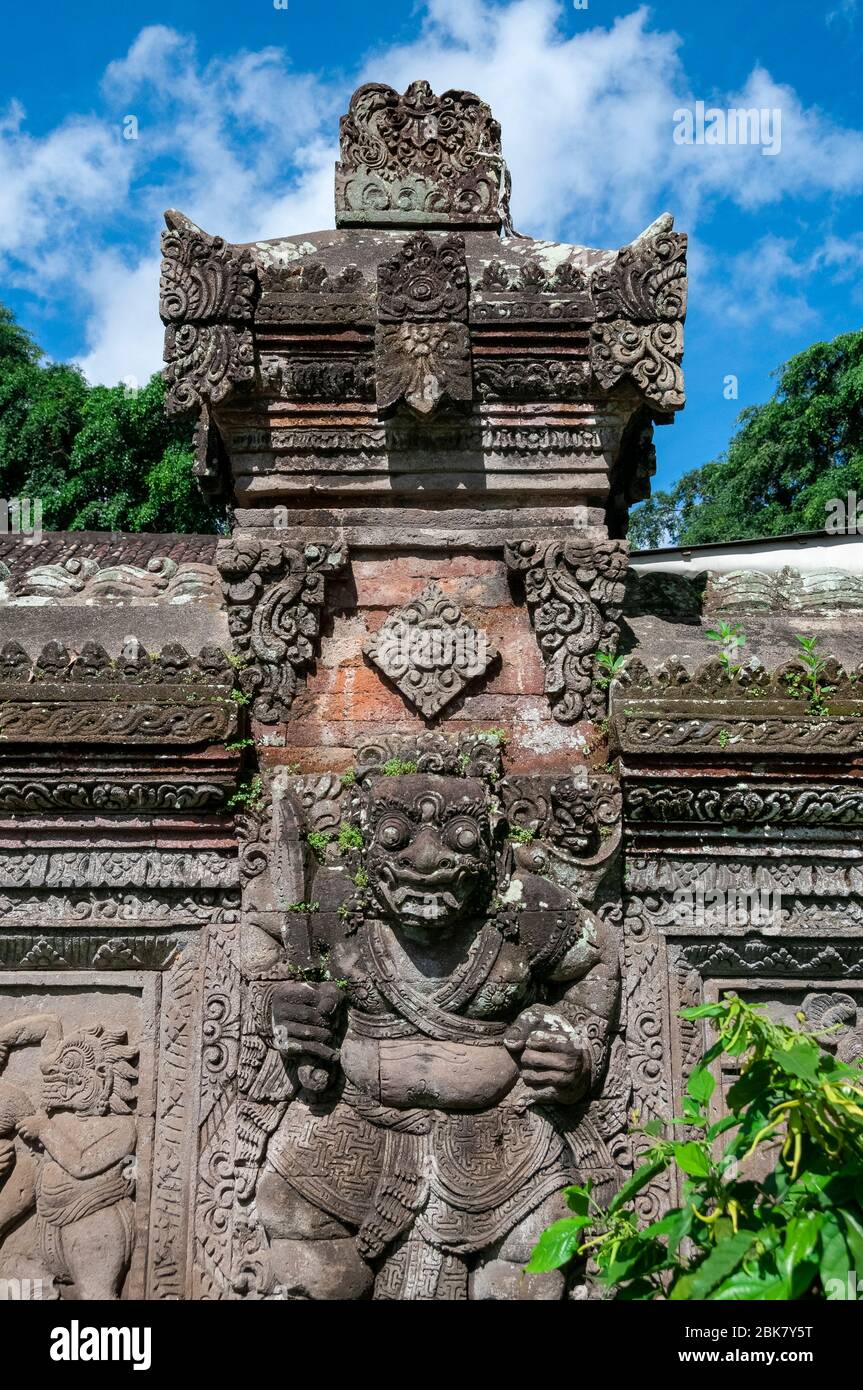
463	835
393	832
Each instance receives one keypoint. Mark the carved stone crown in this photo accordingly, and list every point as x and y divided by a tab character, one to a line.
419	160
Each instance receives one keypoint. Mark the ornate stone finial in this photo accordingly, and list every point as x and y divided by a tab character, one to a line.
420	160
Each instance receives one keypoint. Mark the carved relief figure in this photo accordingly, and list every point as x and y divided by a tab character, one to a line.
441	1075
75	1154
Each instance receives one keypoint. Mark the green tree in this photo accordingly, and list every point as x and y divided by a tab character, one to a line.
98	457
786	460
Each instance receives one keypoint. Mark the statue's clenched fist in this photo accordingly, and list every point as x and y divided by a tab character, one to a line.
551	1057
305	1017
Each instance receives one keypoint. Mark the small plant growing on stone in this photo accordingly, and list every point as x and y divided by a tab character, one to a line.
796	1234
499	737
723	738
239	697
239	744
318	973
348	779
398	767
730	638
249	794
361	878
319	839
521	834
611	667
350	836
303	907
810	685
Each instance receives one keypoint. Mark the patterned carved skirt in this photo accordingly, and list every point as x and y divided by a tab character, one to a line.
424	1189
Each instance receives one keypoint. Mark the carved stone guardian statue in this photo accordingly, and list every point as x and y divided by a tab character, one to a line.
440	1075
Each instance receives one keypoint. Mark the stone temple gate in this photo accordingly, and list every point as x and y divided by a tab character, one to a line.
350	886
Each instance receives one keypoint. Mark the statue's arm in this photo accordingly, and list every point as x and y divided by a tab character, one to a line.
18	1195
24	1032
79	1156
585	986
561	1044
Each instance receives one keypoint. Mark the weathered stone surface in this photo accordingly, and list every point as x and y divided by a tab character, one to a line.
419	158
429	652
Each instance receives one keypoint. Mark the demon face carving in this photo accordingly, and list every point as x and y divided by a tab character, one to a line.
430	855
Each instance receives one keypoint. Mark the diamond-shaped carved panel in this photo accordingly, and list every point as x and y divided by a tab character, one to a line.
430	651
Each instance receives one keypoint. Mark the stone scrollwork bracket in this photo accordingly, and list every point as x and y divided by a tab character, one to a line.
274	592
640	303
207	297
575	592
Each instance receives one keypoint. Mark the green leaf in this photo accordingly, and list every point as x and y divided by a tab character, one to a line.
835	1256
752	1083
676	1224
854	1237
636	1257
727	1122
640	1178
721	1261
654	1128
743	1287
556	1245
703	1011
692	1159
801	1237
801	1059
578	1199
701	1084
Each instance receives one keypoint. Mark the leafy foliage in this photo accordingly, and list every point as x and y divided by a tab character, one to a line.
789	457
730	638
733	1238
811	684
99	457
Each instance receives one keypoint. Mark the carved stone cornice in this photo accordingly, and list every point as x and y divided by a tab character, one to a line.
754	956
309	293
89	697
130	791
640	305
418	158
575	592
82	579
274	592
84	949
743	804
646	281
710	712
113	868
207	298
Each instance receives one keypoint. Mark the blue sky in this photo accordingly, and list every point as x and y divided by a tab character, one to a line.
237	109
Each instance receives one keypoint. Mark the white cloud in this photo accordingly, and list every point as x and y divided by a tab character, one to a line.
124	331
49	185
770	283
766	284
